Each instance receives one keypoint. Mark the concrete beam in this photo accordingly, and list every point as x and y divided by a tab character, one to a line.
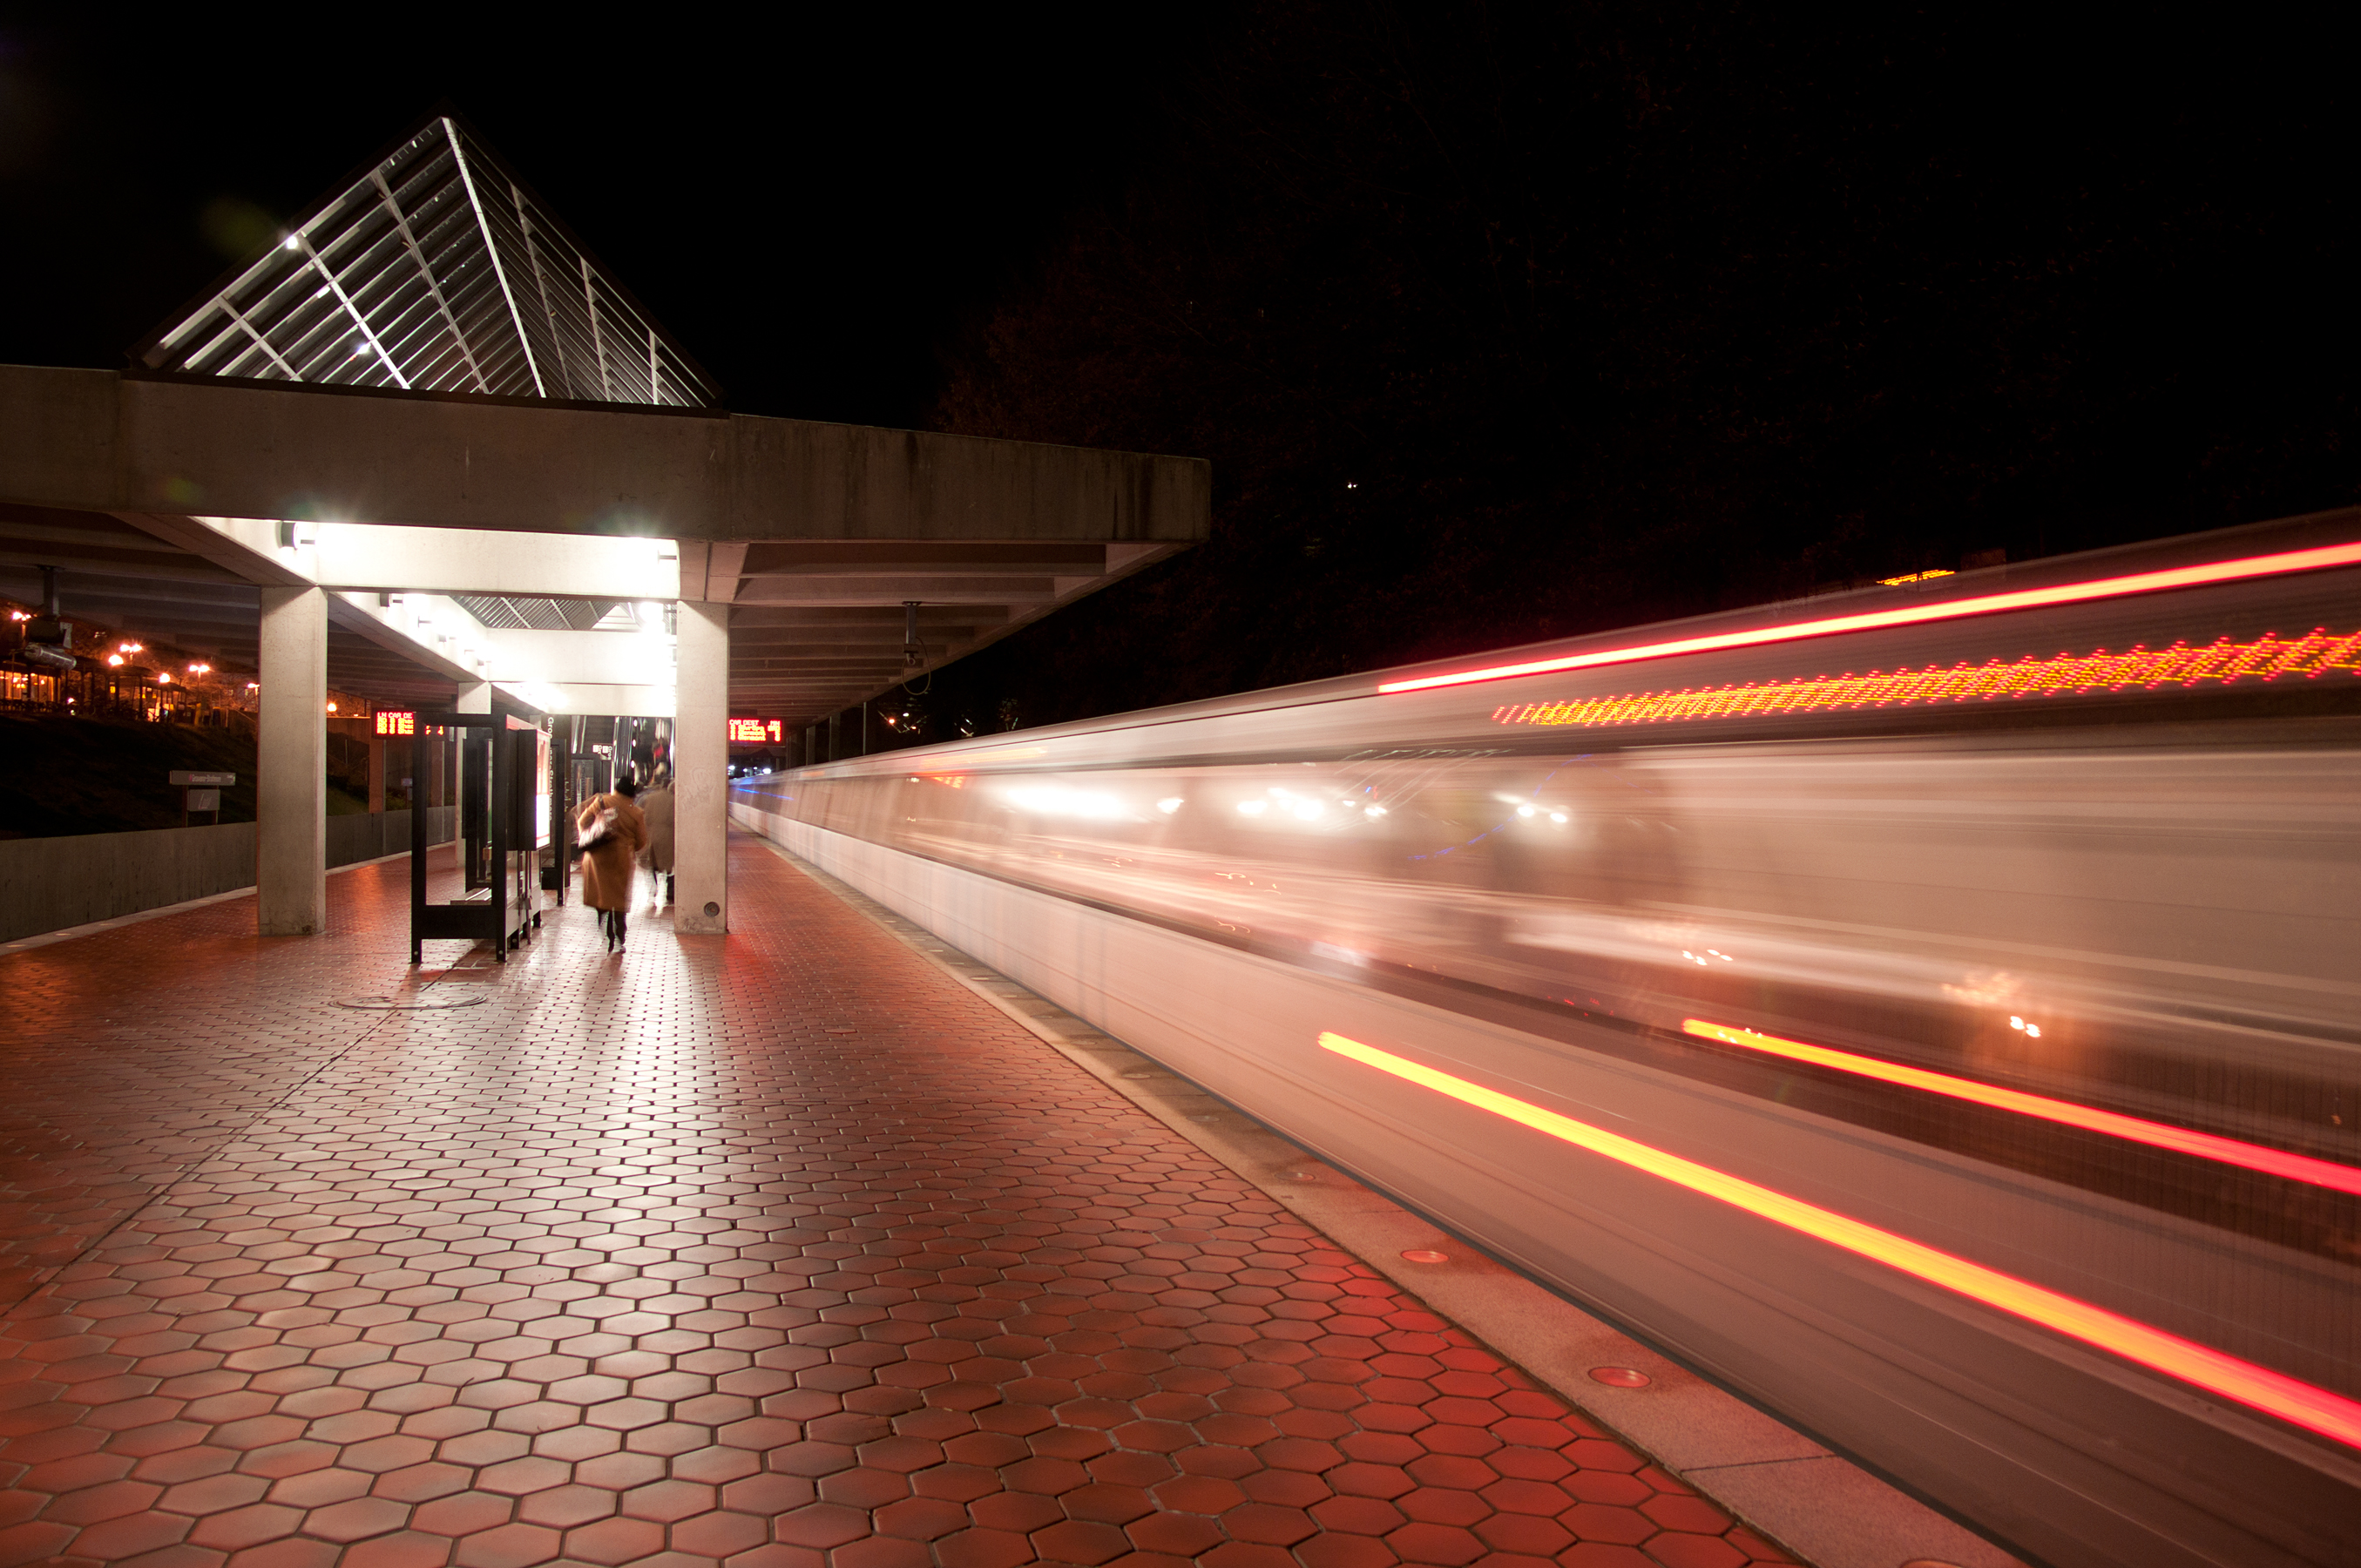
589	697
103	441
894	592
382	557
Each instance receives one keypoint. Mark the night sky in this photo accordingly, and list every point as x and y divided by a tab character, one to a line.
810	200
1497	324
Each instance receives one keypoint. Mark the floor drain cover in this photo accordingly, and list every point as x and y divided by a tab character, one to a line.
415	1004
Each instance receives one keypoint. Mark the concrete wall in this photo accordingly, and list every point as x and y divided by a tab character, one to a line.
48	884
366	837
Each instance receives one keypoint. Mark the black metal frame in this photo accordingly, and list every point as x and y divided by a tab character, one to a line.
505	806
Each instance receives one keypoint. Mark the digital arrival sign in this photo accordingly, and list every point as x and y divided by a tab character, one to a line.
756	732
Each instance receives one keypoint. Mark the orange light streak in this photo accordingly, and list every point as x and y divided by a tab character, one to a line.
2259	1388
2205	1145
2266	658
2251	566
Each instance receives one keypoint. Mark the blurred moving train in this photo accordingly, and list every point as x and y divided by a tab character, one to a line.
1932	1012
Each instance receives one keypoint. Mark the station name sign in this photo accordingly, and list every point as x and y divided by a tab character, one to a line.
396	721
756	732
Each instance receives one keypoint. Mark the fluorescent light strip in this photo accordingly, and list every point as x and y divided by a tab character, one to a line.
2259	1388
2205	1145
2313	559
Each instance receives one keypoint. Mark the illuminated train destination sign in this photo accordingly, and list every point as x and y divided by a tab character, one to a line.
756	732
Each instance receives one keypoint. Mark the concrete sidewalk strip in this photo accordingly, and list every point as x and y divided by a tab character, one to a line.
1819	1505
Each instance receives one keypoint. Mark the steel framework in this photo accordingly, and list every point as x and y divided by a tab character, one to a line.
433	270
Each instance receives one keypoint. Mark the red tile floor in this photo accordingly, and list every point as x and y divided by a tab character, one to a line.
781	1251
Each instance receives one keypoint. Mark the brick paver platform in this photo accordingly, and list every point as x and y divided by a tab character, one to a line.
783	1251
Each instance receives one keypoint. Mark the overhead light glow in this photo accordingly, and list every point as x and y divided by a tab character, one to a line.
2157	1135
2258	1388
1169	805
2279	565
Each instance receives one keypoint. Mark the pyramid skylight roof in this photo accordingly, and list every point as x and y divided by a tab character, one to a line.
436	270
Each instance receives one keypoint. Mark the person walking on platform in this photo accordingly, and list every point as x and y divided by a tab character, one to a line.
656	807
611	831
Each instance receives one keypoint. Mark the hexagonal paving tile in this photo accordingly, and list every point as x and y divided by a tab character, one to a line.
644	1261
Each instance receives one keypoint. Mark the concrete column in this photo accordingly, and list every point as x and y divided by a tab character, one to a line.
377	772
700	765
473	697
291	766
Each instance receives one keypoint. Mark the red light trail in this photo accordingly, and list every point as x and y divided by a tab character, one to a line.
2258	1388
2157	1135
2251	566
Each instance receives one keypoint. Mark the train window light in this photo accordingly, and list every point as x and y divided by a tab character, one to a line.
2268	657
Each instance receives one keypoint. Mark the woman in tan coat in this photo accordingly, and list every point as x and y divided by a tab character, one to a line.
607	862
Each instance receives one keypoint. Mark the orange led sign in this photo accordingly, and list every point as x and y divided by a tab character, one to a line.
756	732
2266	658
394	721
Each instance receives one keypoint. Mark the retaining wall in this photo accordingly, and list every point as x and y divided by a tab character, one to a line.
48	884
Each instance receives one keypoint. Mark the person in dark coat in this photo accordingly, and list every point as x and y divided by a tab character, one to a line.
607	861
655	804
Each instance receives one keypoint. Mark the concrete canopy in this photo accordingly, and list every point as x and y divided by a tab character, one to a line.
165	493
428	398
